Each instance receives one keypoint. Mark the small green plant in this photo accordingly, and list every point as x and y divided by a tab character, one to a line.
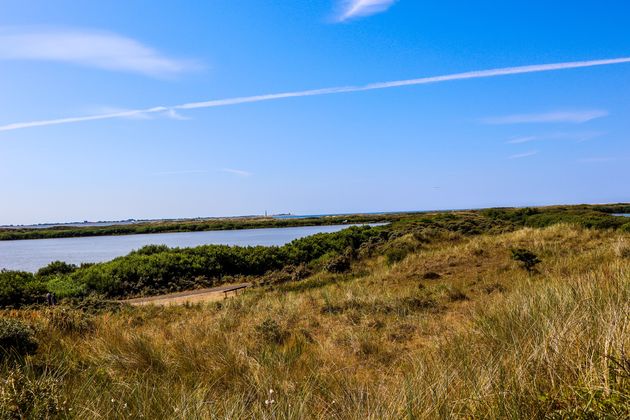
526	258
271	332
16	339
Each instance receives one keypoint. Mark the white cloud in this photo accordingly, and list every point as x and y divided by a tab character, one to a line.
236	172
574	117
101	50
523	155
174	115
326	91
352	9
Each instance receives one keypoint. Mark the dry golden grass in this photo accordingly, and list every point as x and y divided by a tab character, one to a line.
456	330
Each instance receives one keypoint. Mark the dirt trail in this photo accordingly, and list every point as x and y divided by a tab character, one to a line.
192	296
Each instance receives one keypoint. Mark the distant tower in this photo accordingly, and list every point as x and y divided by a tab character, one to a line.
265	213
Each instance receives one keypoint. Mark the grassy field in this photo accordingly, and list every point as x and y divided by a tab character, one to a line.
440	325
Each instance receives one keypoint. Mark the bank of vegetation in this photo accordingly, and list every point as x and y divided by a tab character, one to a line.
472	315
156	270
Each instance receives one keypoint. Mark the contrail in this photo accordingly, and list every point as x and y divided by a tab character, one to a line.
479	74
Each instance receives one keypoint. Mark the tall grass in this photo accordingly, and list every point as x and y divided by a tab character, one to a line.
384	343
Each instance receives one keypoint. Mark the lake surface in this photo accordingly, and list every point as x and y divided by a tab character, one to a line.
622	214
32	254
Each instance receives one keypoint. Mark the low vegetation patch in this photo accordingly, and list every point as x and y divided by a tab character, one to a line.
526	258
16	339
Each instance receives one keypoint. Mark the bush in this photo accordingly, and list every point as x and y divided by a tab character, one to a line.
64	287
338	264
23	397
526	258
16	339
56	267
394	255
158	269
271	332
151	249
18	288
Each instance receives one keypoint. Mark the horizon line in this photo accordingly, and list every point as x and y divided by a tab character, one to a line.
315	215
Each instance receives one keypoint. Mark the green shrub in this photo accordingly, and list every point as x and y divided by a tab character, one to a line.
151	249
526	258
394	255
18	288
64	286
16	339
56	267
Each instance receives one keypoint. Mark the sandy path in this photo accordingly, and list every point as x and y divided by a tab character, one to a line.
192	296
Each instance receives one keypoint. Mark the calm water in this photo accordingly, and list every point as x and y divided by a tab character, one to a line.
622	214
30	255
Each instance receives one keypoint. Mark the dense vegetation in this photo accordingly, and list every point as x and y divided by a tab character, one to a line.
158	269
424	323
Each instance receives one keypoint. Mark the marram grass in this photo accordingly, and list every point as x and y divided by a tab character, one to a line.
482	339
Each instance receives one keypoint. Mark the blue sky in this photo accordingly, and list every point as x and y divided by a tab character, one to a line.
524	139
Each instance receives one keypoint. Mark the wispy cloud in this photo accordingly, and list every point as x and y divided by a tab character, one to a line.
101	50
326	91
236	172
352	9
582	136
132	115
174	115
523	155
574	117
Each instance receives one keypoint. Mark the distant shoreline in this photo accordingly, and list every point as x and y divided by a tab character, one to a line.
133	226
190	225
